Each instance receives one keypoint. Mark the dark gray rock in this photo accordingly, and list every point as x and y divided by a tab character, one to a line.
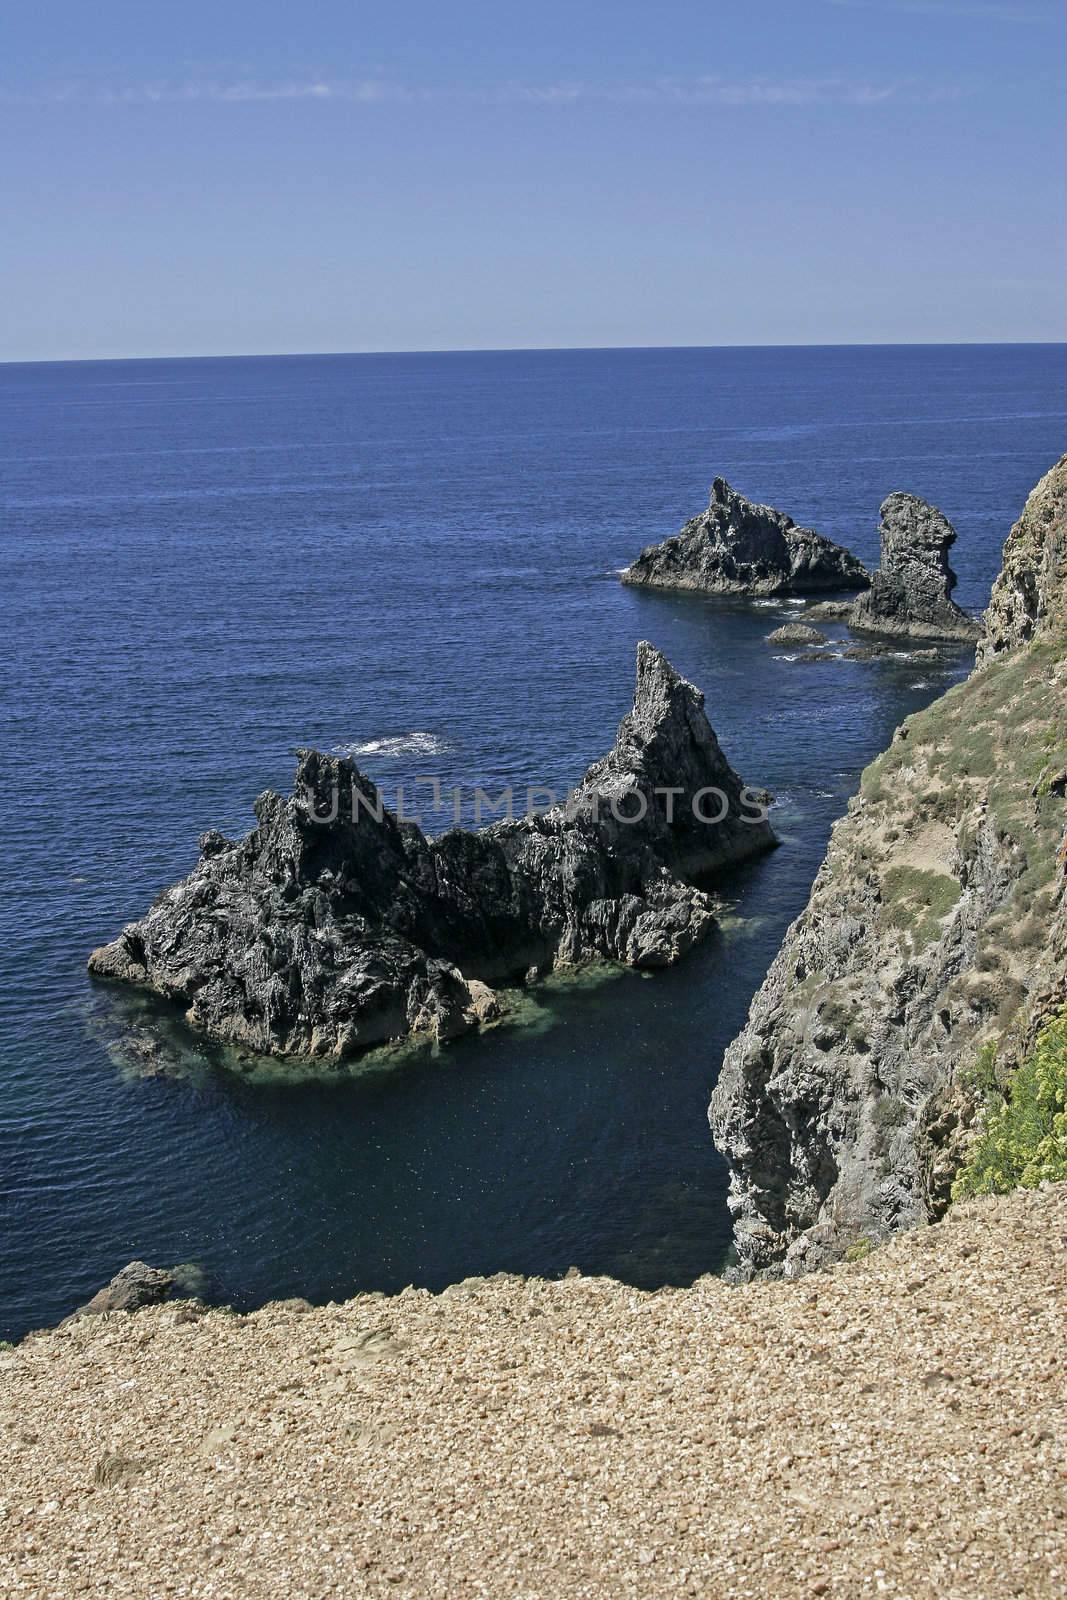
796	633
739	547
333	926
867	652
135	1286
829	611
911	593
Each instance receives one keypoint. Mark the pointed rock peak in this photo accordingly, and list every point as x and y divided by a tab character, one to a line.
315	767
318	775
731	503
738	546
651	662
660	691
325	784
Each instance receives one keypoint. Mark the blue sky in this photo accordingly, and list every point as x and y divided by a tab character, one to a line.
330	175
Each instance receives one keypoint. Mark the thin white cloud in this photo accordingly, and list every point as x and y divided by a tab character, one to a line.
367	91
708	89
216	91
783	92
1004	10
713	89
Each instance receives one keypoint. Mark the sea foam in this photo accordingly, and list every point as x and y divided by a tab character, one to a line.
399	744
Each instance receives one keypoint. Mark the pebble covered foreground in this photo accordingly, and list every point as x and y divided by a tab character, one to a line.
893	1427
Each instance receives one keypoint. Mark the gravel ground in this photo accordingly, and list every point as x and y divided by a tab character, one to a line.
895	1426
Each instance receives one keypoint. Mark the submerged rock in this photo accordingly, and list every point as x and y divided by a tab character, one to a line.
829	611
135	1286
739	547
796	633
333	926
911	593
892	652
932	949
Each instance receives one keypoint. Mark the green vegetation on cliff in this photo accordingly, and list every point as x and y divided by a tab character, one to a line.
1024	1140
918	900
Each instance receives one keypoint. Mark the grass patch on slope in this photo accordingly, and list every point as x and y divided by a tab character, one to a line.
917	900
1024	1140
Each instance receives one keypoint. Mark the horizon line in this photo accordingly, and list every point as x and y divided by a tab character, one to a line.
562	349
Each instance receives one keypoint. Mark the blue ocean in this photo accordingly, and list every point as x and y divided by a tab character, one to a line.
414	558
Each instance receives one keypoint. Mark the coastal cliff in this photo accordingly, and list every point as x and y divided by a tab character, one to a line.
738	547
931	953
334	926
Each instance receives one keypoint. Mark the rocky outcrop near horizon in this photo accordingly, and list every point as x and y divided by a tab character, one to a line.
739	547
911	593
333	926
930	954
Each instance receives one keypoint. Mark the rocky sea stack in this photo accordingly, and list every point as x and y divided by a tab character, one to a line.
908	996
333	926
739	547
911	593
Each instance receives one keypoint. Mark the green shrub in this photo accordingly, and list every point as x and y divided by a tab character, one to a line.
1025	1137
935	891
980	1078
917	900
834	1012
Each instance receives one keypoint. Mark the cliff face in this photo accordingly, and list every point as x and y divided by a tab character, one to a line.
333	926
1030	595
937	925
739	547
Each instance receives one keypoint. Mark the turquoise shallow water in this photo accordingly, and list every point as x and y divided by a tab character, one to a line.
207	563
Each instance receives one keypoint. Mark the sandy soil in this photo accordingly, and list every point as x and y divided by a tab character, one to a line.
894	1427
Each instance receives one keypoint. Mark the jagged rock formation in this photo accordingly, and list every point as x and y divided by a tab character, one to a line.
932	949
333	926
1031	591
911	593
738	547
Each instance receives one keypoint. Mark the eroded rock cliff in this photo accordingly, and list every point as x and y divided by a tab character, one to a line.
1031	592
935	940
332	926
739	547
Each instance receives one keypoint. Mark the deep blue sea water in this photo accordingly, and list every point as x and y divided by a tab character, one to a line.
204	564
